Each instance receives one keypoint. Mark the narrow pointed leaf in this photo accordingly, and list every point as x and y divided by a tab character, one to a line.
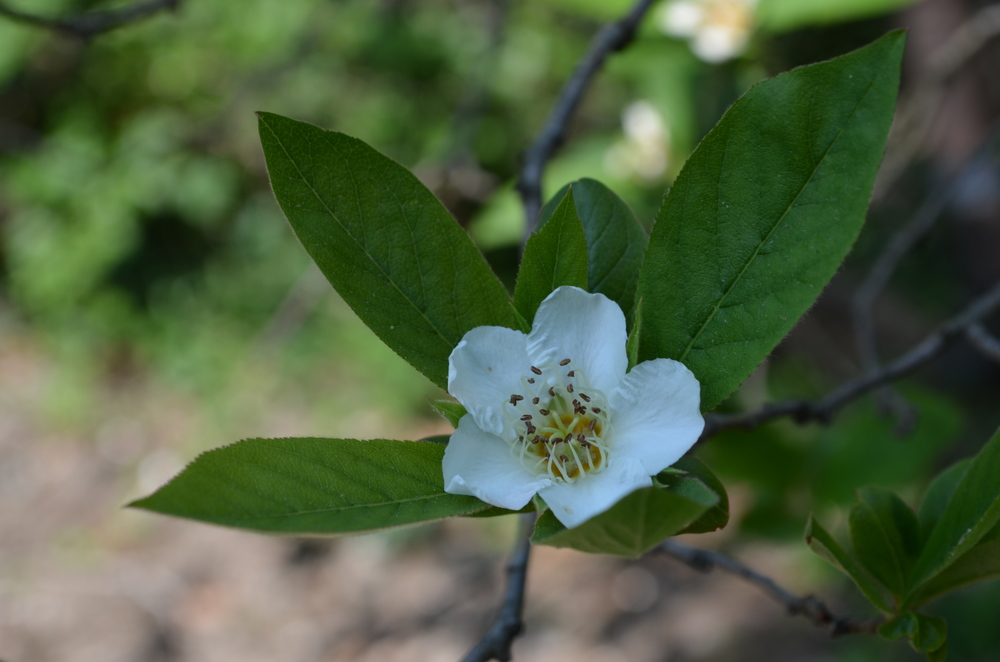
556	255
980	563
939	495
384	242
313	486
972	512
827	547
634	525
452	411
763	213
886	537
615	240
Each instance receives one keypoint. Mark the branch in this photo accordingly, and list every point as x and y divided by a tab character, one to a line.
983	341
91	24
804	411
508	624
612	37
809	606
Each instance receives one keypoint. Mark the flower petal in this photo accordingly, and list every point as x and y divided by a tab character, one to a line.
573	504
485	369
480	464
656	414
587	328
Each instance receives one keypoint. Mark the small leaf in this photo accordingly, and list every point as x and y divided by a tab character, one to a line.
972	512
452	411
384	242
679	479
886	537
763	213
926	633
555	255
313	486
615	240
634	525
939	495
827	547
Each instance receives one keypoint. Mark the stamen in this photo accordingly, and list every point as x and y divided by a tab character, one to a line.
585	397
571	373
564	362
536	370
526	417
569	388
596	410
552	392
515	398
544	412
534	401
531	380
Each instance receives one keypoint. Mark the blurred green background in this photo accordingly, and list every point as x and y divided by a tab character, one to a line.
154	304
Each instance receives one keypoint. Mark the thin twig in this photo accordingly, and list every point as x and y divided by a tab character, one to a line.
611	38
508	624
901	243
985	342
704	560
91	24
804	411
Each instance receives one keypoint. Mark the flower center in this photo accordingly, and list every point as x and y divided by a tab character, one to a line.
556	425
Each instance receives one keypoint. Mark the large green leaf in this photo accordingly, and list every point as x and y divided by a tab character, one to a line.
980	563
827	547
886	537
313	486
763	213
972	512
615	240
939	494
635	524
555	255
384	242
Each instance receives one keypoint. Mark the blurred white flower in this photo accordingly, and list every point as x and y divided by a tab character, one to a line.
554	412
642	152
717	29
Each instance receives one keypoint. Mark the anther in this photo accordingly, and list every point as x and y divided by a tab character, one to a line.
596	410
515	398
593	424
569	388
571	373
534	401
552	392
585	397
531	380
544	412
526	417
530	429
564	362
536	370
563	459
556	440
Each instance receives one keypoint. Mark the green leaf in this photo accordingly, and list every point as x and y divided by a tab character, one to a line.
313	486
980	563
826	546
939	494
615	240
972	512
634	525
632	344
495	511
784	15
384	242
555	255
452	411
886	537
682	478
763	213
926	633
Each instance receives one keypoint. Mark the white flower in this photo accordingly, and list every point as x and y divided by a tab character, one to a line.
718	29
643	151
553	412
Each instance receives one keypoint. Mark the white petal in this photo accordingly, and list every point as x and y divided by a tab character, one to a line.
485	369
593	494
656	414
681	19
587	328
480	464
